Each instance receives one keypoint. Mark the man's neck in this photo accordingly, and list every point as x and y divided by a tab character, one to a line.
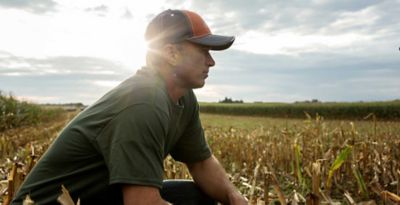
175	91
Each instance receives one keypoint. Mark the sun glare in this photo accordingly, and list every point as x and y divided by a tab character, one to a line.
106	83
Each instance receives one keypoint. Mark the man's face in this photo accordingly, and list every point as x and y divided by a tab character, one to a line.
193	65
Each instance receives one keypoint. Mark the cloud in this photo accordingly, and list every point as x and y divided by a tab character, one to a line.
59	65
59	79
106	83
37	6
293	27
324	76
284	50
343	5
278	15
127	14
100	10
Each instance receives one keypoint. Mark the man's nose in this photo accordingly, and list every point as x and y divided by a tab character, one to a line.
210	60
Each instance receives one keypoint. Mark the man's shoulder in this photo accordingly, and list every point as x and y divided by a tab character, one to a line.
143	87
136	90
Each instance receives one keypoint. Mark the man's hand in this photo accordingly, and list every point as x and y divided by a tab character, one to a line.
212	179
142	195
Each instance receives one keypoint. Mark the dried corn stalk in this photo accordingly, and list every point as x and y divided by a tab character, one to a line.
65	198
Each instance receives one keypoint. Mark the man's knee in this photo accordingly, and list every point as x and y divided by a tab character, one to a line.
184	192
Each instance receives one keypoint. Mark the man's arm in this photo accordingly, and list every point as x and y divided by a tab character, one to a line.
142	195
212	179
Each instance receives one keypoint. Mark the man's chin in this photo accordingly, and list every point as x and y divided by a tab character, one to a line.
200	85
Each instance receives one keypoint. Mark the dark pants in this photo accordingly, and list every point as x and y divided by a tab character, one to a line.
184	192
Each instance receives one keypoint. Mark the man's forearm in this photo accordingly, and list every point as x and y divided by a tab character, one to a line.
212	179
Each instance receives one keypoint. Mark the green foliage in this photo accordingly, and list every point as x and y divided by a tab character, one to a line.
355	111
15	113
340	159
360	181
297	157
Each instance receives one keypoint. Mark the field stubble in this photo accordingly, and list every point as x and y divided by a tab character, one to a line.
310	161
295	160
21	147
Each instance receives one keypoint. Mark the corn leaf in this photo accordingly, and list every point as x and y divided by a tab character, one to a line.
340	159
360	182
297	154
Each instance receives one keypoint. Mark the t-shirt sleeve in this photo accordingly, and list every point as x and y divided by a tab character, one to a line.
192	145
133	145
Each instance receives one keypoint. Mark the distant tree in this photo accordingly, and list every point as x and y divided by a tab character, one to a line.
226	100
314	101
308	101
229	100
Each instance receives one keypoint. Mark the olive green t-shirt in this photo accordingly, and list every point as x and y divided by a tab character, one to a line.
121	139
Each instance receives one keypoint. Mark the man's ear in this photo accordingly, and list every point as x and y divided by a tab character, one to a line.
171	54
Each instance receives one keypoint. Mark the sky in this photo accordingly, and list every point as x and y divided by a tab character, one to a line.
61	51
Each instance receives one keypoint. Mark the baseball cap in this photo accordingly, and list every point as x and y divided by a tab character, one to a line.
173	26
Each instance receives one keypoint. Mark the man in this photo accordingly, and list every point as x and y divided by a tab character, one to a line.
113	152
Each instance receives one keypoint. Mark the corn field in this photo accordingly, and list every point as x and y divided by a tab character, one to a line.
385	110
271	161
294	161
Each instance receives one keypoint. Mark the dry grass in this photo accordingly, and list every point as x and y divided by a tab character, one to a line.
20	148
310	161
311	156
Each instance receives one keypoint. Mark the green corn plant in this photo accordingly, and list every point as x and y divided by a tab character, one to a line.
297	156
340	159
360	182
